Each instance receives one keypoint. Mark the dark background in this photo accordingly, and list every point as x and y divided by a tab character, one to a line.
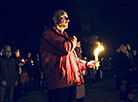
114	21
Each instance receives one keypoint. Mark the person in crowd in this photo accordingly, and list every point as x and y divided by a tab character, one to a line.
16	54
8	74
116	67
17	90
100	70
78	50
29	66
80	89
37	71
59	60
124	72
132	55
39	78
130	50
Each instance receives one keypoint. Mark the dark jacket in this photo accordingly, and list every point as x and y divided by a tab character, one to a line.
124	67
8	70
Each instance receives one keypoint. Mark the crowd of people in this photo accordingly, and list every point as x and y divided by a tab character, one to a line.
60	68
19	75
125	61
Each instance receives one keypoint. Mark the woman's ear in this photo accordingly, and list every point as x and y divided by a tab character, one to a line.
54	19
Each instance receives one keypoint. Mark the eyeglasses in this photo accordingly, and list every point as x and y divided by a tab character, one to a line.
66	18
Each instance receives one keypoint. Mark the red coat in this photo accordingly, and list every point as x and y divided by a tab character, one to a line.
58	59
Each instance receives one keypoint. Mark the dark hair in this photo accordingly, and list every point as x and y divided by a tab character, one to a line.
58	13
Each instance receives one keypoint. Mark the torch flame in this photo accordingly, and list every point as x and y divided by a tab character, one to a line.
97	50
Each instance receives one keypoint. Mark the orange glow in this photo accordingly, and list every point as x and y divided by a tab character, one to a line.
22	60
32	62
98	50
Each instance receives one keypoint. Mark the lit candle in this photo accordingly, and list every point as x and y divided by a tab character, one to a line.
97	51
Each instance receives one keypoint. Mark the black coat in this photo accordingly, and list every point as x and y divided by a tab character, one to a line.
124	66
8	70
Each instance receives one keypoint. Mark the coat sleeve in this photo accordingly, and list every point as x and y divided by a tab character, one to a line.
1	74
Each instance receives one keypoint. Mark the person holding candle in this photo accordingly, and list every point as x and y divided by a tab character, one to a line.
59	60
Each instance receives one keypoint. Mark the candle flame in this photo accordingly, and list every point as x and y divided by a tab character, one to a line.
22	60
97	50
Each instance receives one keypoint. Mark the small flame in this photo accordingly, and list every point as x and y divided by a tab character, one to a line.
22	60
97	50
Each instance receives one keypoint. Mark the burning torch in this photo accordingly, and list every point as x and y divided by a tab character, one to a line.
96	53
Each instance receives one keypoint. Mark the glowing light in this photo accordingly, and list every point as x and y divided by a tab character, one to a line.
32	62
96	54
98	50
22	60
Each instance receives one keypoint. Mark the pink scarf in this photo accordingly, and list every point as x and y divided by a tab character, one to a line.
69	65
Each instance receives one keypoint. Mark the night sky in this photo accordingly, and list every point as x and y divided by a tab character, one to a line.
114	21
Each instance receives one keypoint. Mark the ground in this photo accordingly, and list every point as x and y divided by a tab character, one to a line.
100	91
